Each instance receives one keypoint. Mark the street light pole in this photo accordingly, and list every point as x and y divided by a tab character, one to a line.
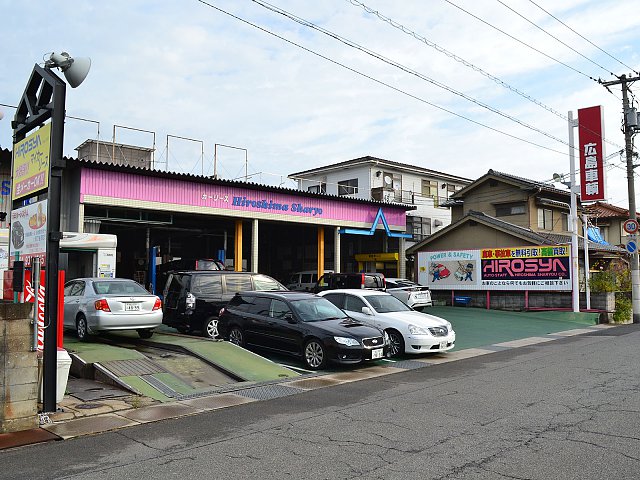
575	285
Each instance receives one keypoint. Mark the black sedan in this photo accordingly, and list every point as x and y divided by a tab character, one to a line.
300	324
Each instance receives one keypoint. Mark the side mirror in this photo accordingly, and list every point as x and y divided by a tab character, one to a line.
367	311
289	317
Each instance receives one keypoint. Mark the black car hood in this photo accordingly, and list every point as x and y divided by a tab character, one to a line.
347	327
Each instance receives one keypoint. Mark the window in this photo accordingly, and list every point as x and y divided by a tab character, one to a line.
510	209
279	309
430	189
207	285
263	282
545	219
322	188
74	289
353	304
238	283
419	227
565	221
259	306
348	187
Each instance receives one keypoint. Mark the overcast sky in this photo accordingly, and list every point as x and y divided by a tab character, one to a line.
294	97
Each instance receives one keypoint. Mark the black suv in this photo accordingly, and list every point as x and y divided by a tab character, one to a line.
301	324
333	281
193	299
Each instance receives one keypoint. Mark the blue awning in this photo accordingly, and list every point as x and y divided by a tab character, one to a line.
594	235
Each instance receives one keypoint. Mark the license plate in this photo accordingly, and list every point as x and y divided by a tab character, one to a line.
132	307
377	353
419	295
443	345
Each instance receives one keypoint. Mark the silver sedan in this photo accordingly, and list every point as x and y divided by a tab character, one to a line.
93	305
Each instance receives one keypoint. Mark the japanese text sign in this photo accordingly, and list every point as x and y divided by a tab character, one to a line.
31	163
591	132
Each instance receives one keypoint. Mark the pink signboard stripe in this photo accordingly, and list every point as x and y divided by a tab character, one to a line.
122	185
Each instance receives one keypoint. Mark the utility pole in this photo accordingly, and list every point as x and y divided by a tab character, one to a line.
628	135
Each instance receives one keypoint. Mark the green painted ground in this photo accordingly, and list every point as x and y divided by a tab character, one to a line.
476	327
243	363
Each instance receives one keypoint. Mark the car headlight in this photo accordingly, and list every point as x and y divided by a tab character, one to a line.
415	330
350	342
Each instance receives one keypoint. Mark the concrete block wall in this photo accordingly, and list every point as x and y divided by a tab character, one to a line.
18	369
505	300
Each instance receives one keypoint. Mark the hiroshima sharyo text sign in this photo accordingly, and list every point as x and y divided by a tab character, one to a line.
510	268
31	163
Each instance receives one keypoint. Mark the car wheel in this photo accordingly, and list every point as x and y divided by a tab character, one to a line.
81	328
145	332
396	343
236	336
314	355
210	328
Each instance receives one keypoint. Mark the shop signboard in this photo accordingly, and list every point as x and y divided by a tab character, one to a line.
28	235
511	268
30	169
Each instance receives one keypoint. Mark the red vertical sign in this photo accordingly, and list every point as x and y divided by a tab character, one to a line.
590	132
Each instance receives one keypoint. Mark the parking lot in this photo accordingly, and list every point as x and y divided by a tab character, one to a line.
477	327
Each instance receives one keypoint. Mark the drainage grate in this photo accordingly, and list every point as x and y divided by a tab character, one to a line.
268	392
161	386
126	368
408	364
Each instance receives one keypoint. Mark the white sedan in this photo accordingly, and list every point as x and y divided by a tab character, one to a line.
409	331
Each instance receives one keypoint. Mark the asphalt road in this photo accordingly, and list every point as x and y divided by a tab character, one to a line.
566	409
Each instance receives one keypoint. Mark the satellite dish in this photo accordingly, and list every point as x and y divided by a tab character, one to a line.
557	177
388	180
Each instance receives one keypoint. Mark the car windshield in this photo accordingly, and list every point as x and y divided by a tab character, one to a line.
316	309
124	287
386	303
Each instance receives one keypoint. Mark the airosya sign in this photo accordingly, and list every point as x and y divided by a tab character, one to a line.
525	268
31	163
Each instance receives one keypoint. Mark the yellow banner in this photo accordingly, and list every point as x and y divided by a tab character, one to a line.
31	163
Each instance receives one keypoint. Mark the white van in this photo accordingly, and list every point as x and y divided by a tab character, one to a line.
304	281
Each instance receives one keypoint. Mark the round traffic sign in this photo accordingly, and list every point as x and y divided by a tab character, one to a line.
630	226
632	246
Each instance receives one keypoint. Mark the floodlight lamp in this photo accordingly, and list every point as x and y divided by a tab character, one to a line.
557	177
75	70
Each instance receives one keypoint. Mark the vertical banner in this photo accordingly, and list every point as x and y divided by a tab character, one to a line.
590	133
30	296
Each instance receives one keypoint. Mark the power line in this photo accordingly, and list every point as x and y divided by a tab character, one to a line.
520	41
380	82
466	63
584	38
371	53
553	36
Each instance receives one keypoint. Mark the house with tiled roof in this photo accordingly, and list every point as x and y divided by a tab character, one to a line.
501	211
608	219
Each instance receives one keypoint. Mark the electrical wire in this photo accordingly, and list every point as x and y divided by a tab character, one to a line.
468	64
408	70
585	39
521	42
380	82
553	36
